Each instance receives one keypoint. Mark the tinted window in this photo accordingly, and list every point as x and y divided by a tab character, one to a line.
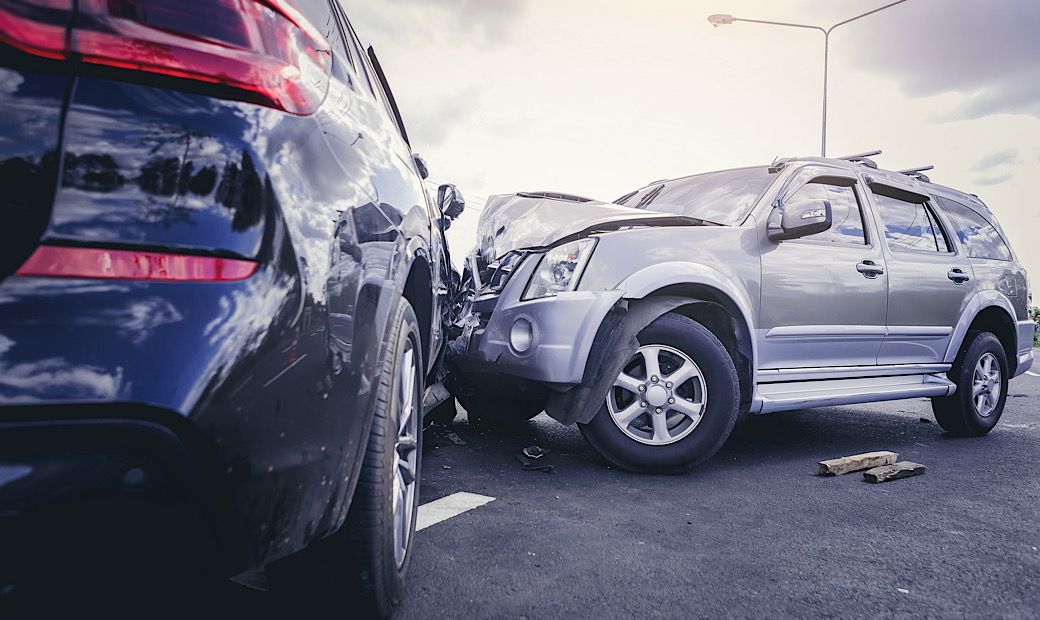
845	212
975	232
909	225
721	197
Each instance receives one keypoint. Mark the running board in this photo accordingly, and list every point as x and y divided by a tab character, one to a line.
770	397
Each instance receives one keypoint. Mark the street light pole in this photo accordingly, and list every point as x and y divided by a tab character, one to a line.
722	19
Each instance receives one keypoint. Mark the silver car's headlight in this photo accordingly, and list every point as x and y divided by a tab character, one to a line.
559	269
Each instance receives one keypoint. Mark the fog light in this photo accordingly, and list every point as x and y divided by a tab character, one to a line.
521	335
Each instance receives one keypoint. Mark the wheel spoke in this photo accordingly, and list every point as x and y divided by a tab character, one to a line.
684	373
660	427
687	408
977	388
629	414
651	361
407	472
628	382
407	389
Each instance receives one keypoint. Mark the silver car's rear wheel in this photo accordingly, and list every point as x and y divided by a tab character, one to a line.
981	373
659	397
985	385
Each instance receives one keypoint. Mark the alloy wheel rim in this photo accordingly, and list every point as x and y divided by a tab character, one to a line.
406	453
985	385
659	397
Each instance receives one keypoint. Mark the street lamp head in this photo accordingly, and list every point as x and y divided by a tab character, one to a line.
720	19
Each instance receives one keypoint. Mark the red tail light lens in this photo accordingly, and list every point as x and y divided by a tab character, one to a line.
94	263
35	26
263	51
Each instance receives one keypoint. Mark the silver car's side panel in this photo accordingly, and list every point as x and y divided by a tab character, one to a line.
816	308
924	304
644	260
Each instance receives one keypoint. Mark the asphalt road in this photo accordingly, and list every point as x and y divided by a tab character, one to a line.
754	533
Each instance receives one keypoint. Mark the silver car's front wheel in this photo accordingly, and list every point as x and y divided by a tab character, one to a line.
673	403
659	396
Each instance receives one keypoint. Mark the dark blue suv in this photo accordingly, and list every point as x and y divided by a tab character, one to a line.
223	290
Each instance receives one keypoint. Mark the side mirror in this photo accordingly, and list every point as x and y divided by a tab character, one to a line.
445	223
420	165
799	218
450	200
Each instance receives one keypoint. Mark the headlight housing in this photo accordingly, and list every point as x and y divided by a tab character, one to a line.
559	269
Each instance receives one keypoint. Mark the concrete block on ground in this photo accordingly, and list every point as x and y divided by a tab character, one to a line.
902	469
856	462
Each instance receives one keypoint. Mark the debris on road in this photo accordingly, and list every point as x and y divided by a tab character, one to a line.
856	462
528	464
902	469
455	439
535	452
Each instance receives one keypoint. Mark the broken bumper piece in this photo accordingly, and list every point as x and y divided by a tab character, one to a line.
546	339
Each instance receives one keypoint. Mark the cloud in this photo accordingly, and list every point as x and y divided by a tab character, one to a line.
1000	158
481	21
994	180
989	52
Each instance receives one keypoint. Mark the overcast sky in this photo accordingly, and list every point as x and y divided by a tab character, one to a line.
601	97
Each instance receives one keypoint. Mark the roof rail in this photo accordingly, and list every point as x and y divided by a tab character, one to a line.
863	155
917	173
863	158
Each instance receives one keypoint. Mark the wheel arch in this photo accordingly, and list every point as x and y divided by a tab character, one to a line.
711	290
418	290
987	311
720	314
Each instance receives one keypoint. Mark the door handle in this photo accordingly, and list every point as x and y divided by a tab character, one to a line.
870	269
958	276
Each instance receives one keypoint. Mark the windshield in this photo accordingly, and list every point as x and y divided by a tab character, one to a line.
719	197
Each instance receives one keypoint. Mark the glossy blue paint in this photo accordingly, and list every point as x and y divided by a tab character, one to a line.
274	375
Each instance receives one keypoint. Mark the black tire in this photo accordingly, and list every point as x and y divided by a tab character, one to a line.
355	569
719	414
444	413
958	414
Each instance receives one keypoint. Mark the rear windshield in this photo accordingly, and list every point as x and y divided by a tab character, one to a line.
720	197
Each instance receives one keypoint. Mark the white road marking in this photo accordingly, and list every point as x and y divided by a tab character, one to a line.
1032	374
432	513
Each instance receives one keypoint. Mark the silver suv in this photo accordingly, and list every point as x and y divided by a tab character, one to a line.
655	321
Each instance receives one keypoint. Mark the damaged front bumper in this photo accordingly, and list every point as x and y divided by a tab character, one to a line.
547	340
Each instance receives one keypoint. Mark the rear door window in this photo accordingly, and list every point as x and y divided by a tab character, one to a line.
910	226
982	239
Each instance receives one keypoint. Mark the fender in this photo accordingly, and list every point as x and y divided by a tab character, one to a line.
615	342
979	302
656	277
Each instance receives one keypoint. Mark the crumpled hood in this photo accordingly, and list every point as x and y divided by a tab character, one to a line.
514	221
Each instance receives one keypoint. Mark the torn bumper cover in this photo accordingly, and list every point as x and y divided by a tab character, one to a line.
546	340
